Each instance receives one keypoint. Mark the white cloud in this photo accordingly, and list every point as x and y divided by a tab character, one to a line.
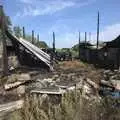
40	7
50	8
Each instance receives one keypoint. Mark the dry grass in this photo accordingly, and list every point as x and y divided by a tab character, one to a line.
72	65
84	69
72	107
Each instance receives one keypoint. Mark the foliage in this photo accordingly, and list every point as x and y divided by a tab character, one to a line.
82	45
9	24
17	31
75	48
41	44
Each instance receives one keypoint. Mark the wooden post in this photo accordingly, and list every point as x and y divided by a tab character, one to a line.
4	54
98	22
53	42
23	32
32	37
85	39
79	45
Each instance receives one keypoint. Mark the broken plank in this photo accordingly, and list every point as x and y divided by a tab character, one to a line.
47	92
10	107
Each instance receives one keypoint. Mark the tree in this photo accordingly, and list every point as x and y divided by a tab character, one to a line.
28	37
42	44
8	24
17	31
3	27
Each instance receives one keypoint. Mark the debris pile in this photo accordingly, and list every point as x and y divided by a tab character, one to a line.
59	84
110	85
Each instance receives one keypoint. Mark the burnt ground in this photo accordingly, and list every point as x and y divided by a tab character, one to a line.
68	72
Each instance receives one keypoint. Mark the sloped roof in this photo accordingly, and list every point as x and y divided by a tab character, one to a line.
41	55
114	43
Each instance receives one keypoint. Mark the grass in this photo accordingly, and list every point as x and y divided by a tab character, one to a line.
71	65
72	107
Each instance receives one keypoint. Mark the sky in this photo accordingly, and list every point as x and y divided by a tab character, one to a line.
66	18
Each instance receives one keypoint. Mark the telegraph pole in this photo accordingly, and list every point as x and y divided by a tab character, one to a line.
79	45
23	32
98	25
53	42
4	53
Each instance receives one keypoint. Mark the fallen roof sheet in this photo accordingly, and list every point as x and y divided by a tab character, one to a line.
33	49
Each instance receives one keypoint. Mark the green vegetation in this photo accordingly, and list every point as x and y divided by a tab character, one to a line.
41	44
17	31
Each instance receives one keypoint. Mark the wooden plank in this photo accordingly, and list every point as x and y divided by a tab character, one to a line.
10	107
46	92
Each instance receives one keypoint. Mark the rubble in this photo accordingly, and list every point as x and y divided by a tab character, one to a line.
110	86
116	84
54	84
13	85
21	90
15	80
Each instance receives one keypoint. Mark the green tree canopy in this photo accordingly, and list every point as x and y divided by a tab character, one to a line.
41	44
17	31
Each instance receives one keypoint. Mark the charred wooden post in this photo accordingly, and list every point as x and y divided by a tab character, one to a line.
85	39
3	29
23	32
53	51
53	42
86	46
79	45
98	24
32	36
